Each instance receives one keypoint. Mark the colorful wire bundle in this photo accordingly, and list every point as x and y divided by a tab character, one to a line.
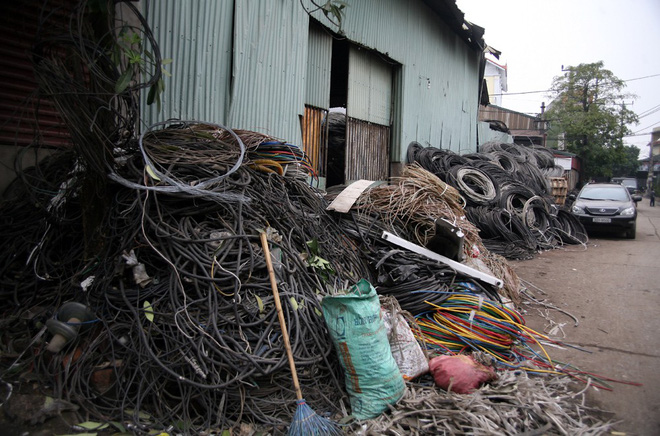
284	154
465	322
468	321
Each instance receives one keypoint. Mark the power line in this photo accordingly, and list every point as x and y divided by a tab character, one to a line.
549	90
519	93
654	124
645	77
637	134
649	112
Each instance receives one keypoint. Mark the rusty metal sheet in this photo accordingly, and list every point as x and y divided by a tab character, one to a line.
313	143
23	114
367	150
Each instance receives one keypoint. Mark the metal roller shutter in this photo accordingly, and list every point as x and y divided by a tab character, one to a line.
23	115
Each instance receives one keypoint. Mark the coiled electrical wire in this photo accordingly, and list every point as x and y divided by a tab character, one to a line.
478	157
506	161
519	176
198	340
413	150
537	217
503	233
475	185
514	196
570	229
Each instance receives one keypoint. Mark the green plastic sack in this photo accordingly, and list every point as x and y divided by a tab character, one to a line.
372	376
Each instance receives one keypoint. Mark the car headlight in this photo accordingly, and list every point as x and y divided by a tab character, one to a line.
577	209
628	211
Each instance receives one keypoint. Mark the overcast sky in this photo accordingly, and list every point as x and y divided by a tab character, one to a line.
537	37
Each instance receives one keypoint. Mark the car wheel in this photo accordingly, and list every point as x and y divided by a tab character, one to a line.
631	233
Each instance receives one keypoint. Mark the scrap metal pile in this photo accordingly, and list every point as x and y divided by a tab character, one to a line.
409	207
183	324
133	284
507	195
179	322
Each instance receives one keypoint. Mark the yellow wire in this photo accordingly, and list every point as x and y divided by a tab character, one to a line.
504	316
267	165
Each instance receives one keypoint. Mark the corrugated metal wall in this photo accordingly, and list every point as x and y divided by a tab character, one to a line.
239	63
261	84
319	60
440	73
369	110
317	95
270	55
369	87
197	36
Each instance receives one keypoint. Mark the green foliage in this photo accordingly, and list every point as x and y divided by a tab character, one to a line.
321	266
131	55
589	108
332	9
625	161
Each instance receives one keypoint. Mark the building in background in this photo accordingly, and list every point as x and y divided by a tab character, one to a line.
495	76
500	124
649	168
524	129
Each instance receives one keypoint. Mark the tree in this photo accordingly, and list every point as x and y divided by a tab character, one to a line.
626	161
588	108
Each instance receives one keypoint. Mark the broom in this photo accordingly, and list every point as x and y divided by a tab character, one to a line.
305	420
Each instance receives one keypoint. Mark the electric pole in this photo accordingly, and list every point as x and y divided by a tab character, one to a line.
649	180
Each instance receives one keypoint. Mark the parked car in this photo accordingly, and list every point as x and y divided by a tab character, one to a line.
629	182
606	206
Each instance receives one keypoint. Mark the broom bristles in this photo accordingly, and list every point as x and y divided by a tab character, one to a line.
307	422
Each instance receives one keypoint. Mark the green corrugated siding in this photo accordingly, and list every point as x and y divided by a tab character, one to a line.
319	59
197	36
260	83
270	56
369	87
439	77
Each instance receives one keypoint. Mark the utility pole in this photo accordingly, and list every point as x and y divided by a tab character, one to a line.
649	180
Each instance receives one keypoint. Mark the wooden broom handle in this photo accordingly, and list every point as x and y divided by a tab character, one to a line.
280	314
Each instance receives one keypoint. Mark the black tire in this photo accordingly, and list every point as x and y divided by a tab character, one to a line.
632	232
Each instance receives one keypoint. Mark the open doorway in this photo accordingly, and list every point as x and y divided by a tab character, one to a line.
336	118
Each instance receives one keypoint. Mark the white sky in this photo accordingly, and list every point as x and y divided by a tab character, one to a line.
537	37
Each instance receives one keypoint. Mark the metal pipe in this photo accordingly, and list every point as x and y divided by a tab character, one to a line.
435	256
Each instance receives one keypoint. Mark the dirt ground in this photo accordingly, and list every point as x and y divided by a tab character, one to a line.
613	289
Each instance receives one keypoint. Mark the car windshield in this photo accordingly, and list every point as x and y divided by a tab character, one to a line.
604	193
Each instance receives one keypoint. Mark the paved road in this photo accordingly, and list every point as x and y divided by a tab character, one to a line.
613	288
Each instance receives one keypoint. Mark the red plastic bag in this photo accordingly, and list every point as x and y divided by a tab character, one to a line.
460	373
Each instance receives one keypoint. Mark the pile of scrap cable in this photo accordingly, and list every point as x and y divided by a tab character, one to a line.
135	287
506	191
179	321
471	334
184	325
416	236
480	371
